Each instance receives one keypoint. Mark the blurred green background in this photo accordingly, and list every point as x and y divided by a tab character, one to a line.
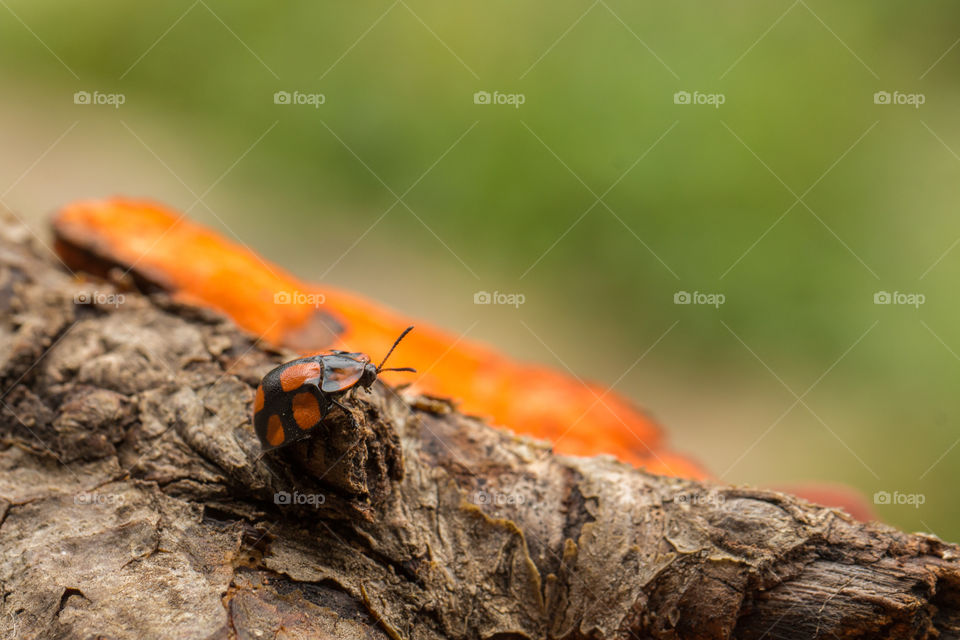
599	198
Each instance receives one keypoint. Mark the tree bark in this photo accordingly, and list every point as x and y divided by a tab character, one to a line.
135	504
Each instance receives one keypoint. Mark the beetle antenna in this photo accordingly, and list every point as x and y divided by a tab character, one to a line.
396	342
410	369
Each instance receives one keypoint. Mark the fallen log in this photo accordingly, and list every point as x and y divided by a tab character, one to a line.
135	503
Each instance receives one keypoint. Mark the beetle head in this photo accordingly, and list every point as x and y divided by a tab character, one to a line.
370	372
369	376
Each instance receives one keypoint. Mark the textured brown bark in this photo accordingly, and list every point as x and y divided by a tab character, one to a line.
134	505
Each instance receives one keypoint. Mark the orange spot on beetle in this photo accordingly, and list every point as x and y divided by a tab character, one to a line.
296	374
306	410
274	431
258	401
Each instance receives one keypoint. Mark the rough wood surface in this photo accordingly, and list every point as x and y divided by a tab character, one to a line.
134	505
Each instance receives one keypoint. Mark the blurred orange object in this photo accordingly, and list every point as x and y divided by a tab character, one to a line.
160	248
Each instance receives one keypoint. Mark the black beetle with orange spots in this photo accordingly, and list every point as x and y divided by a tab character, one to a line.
293	399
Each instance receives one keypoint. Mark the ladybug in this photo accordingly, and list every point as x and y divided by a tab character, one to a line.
293	399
